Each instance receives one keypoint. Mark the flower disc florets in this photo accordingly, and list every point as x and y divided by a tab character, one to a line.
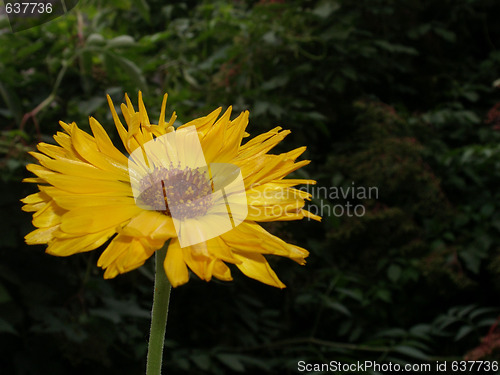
189	189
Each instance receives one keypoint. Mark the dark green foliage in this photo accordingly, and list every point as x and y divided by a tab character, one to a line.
396	95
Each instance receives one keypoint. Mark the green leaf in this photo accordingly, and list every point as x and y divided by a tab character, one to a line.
122	41
395	48
143	8
384	295
487	322
338	307
130	68
189	77
7	327
463	331
88	107
447	35
349	73
487	210
12	100
202	361
471	117
411	352
394	272
183	363
95	40
392	332
260	108
271	38
464	311
471	96
483	310
29	50
275	82
471	259
304	299
421	331
232	361
112	316
355	294
4	294
339	84
324	8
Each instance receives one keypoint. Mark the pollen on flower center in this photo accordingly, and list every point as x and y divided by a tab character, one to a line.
189	190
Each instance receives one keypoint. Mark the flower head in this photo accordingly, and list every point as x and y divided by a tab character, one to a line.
199	186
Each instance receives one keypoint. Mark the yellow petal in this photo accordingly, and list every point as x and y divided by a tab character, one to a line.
34	180
214	247
251	237
69	246
33	207
162	125
78	168
124	254
104	143
135	256
49	216
255	141
88	150
165	230
84	220
221	271
294	182
264	147
70	201
275	213
115	248
213	139
199	264
203	124
310	215
274	193
255	266
151	224
41	236
35	198
232	139
80	185
122	132
52	150
175	267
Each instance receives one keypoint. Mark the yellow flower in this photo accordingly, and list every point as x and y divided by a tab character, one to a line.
86	196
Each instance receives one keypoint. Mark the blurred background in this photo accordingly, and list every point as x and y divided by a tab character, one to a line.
399	95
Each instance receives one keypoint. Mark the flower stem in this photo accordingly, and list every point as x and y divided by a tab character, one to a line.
159	314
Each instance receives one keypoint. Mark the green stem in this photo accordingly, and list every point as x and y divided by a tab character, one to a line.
158	315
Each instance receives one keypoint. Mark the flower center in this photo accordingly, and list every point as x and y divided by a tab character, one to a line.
179	193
